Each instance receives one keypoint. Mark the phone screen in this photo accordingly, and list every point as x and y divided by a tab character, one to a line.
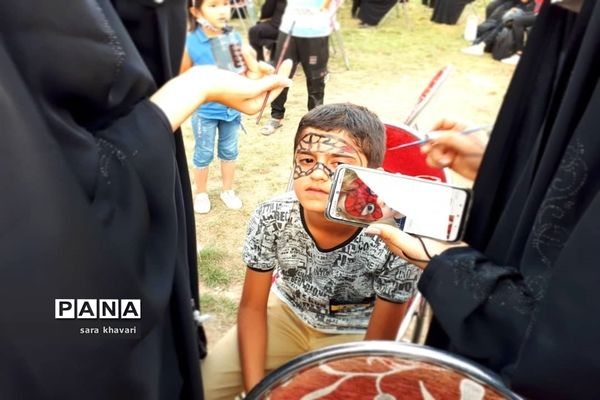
361	196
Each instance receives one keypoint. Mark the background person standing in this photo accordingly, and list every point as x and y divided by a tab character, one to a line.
309	46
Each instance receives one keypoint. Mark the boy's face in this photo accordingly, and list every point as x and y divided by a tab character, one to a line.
315	159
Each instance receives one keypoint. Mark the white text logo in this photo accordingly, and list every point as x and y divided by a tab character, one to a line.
97	309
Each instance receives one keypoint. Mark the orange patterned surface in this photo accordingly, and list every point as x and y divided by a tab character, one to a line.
381	378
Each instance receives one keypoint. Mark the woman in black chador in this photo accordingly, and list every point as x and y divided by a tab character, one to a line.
448	11
94	197
520	295
371	12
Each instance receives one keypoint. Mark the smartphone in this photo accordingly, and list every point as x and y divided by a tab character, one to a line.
361	196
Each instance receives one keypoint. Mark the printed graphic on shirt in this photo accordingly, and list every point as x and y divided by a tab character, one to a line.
333	290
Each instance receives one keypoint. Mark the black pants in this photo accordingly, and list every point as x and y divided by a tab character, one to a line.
519	25
313	55
487	31
494	4
262	34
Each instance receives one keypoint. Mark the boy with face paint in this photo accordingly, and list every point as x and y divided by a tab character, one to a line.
311	282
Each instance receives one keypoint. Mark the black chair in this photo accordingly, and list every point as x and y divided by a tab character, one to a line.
381	370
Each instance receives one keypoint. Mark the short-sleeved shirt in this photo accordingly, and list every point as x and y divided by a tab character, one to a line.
309	21
331	290
198	48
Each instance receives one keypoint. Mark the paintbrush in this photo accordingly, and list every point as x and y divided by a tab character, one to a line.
284	48
432	88
427	139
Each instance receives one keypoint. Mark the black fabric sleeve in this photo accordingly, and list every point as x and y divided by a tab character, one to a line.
483	307
152	132
559	357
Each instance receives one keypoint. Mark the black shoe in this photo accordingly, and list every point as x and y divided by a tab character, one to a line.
364	25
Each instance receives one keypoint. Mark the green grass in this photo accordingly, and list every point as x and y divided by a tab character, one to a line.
216	270
222	310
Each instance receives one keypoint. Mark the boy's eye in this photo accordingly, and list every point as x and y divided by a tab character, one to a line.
305	160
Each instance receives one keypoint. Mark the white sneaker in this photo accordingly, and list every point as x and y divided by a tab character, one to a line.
475	50
231	200
201	203
512	60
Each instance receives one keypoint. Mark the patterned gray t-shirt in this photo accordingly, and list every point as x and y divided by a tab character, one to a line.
331	290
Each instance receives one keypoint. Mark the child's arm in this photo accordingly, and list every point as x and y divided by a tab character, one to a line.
186	62
252	326
385	320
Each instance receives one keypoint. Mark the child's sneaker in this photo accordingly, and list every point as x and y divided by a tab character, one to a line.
231	200
201	203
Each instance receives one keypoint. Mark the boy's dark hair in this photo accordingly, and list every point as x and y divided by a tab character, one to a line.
361	124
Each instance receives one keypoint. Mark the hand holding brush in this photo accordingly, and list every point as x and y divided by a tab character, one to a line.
452	145
429	137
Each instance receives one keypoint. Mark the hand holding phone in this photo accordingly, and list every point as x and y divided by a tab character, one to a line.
361	196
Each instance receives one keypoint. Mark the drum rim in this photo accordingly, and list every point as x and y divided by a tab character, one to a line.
411	351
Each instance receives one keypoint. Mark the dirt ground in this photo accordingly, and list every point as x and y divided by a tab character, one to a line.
389	68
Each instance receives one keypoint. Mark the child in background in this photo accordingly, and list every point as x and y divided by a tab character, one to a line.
332	283
309	46
207	20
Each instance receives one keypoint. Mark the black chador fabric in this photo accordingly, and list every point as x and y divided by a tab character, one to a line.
522	298
373	11
158	32
448	11
91	207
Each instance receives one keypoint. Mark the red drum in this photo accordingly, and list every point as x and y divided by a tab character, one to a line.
379	370
407	160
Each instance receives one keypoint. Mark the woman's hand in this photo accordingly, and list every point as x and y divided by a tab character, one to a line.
182	95
247	92
449	148
413	250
